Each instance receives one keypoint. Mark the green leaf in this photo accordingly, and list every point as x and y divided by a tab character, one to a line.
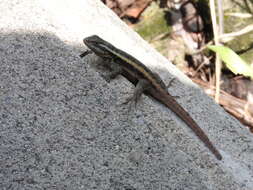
233	61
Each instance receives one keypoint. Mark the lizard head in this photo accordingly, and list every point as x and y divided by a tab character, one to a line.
97	45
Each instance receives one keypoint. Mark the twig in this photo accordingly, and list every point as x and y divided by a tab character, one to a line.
241	15
202	48
230	36
216	42
220	15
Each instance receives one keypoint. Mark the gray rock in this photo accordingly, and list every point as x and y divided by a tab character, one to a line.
62	126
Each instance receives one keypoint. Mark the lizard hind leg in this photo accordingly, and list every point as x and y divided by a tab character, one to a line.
170	83
141	86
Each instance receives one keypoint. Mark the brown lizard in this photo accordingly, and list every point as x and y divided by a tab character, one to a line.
145	81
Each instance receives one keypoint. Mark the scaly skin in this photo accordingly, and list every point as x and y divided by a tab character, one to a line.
135	71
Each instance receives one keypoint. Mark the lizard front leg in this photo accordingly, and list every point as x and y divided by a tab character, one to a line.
115	70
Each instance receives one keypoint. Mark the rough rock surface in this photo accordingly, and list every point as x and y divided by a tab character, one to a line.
62	126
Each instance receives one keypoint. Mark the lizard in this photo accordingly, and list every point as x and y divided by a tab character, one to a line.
146	81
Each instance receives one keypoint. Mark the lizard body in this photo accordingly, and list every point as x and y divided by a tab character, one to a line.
136	72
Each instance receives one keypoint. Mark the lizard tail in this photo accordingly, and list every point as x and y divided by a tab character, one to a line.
172	104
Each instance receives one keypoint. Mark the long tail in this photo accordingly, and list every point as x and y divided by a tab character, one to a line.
172	104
